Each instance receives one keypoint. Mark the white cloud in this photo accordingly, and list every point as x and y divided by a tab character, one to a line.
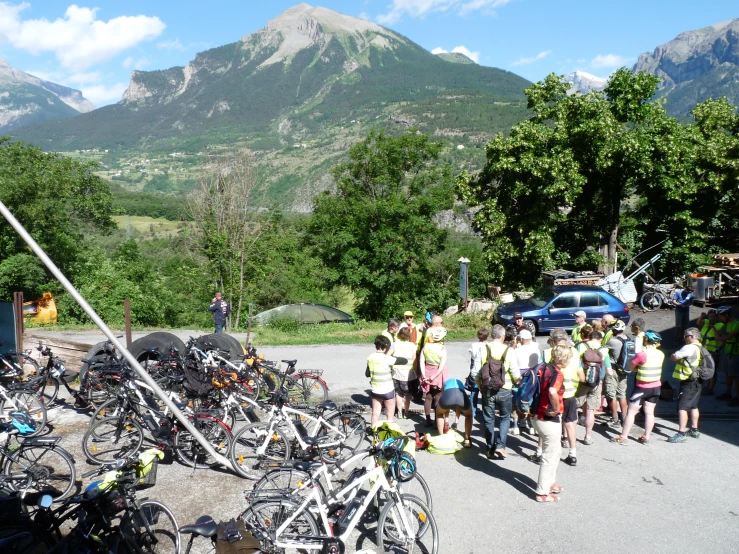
171	44
526	61
609	60
104	94
474	56
78	40
130	62
420	8
84	78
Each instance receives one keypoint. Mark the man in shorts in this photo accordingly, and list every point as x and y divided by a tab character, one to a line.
616	380
454	397
588	397
687	358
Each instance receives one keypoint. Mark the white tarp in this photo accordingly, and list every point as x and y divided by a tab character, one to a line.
620	287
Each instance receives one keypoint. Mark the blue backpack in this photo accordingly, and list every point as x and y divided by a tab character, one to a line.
528	391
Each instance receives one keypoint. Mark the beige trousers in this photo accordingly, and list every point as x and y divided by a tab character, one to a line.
550	433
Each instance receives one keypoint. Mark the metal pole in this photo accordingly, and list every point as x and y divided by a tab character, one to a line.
248	326
143	375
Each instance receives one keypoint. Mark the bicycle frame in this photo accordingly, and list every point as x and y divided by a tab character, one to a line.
282	415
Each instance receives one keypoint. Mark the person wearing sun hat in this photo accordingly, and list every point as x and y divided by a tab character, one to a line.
579	324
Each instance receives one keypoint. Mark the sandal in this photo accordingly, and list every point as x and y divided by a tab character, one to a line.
555	488
618	439
547	498
644	440
467	443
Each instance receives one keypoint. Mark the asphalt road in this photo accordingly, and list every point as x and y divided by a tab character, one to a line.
659	498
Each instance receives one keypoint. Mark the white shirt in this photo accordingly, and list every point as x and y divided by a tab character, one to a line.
476	350
688	351
527	355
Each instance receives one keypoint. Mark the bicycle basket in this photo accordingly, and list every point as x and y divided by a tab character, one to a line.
146	468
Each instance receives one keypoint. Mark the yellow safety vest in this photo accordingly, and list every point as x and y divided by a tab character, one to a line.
731	346
404	349
576	333
651	371
432	352
708	335
380	373
608	336
389	336
683	368
497	349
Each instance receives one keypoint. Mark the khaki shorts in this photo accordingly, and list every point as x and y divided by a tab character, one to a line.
589	395
616	386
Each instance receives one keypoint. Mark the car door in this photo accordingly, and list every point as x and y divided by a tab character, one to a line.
562	310
593	304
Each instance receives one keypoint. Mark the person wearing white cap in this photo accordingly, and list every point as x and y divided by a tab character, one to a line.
527	356
579	324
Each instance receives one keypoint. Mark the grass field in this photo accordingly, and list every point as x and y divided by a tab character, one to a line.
145	225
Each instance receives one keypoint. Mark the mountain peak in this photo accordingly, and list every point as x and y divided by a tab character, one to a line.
584	82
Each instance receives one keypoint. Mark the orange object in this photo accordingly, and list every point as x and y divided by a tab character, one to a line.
41	311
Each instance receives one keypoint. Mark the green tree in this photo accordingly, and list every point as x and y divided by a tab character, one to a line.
57	199
554	192
376	233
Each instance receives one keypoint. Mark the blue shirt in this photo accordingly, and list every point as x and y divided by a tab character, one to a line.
453	384
684	300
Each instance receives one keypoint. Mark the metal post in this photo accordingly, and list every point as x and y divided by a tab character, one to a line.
464	280
127	319
143	375
19	323
248	326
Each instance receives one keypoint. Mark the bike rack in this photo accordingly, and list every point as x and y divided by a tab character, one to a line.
145	377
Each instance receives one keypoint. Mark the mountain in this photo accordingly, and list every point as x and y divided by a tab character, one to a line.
454	57
583	82
695	66
27	99
298	93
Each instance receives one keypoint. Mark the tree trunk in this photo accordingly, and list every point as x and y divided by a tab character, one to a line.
611	264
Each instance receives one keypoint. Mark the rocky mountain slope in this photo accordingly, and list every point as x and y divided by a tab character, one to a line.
298	93
696	65
26	99
584	83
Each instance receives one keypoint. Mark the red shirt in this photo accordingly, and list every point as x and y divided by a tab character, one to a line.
550	379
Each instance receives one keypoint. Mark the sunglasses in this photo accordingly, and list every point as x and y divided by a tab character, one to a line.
409	317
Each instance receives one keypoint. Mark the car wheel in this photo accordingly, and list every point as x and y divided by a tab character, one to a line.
530	325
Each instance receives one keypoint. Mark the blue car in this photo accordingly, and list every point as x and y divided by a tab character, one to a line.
554	307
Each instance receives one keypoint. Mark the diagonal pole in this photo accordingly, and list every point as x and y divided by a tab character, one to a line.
143	375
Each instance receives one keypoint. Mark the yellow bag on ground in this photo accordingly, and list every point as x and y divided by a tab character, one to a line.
448	443
391	430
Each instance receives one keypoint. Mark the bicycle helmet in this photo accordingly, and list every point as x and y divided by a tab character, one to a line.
437	334
617	325
653	336
23	422
723	310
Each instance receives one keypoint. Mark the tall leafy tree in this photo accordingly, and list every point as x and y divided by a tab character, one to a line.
554	192
376	232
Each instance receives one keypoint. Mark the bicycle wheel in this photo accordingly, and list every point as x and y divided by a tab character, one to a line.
350	430
35	540
47	387
419	488
244	457
26	401
191	452
109	408
421	535
650	301
101	388
306	388
28	365
111	439
286	479
269	515
45	469
154	528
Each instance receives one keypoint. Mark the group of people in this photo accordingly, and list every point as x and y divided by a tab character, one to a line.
587	370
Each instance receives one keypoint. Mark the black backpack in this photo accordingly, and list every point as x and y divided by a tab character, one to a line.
492	373
706	366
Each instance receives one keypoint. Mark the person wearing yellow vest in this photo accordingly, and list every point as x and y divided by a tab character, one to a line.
379	371
404	374
579	324
433	370
709	324
637	329
573	374
588	397
501	400
648	367
606	322
688	358
392	328
729	339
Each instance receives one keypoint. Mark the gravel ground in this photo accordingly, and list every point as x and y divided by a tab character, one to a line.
664	497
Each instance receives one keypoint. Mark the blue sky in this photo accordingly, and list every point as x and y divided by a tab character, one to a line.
93	46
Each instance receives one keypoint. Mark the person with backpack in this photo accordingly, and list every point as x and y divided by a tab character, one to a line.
497	376
476	350
620	347
527	356
380	373
549	407
648	366
637	329
689	360
595	361
433	370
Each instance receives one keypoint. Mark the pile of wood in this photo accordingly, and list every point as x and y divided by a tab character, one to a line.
731	260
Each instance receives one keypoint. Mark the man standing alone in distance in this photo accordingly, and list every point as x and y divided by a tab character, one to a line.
221	310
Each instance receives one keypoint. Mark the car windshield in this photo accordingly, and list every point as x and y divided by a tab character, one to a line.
541	298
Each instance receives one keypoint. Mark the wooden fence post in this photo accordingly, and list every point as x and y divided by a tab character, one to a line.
127	318
19	326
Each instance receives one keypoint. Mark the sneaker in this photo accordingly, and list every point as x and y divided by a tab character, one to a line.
694	433
614	424
644	440
571	461
516	431
587	441
536	459
725	396
501	454
678	437
734	402
620	439
490	454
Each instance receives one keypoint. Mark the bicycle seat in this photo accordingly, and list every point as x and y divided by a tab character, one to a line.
314	440
204	526
307	466
290	362
327	405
